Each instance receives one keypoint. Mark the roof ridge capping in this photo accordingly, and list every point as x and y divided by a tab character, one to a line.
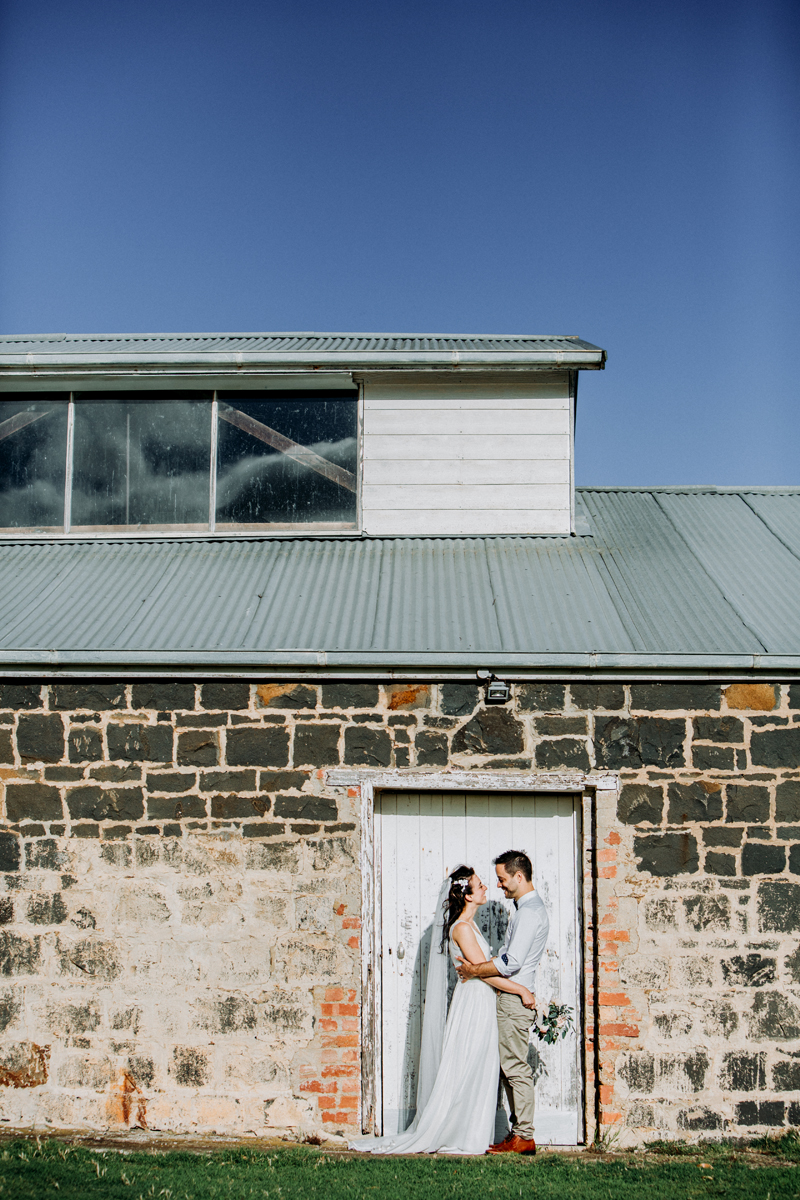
289	333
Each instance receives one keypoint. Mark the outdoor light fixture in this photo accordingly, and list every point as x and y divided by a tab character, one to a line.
497	692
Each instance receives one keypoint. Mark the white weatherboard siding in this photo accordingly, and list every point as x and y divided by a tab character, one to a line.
422	836
460	455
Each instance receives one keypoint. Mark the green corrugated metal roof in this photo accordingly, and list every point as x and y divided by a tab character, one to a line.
666	580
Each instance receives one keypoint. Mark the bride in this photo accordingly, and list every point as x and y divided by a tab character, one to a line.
459	1060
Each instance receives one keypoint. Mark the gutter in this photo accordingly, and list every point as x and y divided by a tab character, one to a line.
393	664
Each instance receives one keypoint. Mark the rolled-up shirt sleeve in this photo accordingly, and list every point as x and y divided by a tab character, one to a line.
526	945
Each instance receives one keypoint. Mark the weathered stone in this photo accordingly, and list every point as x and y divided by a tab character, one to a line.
140	743
683	1072
257	747
173	781
276	856
699	1120
231	806
540	697
265	829
316	745
163	696
306	807
174	808
720	864
661	913
743	1071
779	906
286	695
667	854
116	854
786	1076
718	729
656	696
792	965
40	738
10	1008
698	801
350	695
198	748
367	747
787	800
63	774
491	731
751	970
637	1069
282	781
33	802
19	955
105	804
333	852
406	697
91	696
644	971
723	835
225	695
6	747
639	741
559	726
459	699
759	859
6	910
751	697
230	781
767	1112
721	1019
189	1066
713	758
794	858
709	913
20	695
773	1017
640	1116
776	748
85	744
9	852
431	747
747	802
568	753
610	696
46	908
672	1025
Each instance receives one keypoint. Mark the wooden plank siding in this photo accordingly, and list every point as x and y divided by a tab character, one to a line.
461	455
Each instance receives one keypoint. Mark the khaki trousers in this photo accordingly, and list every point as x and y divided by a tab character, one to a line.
514	1023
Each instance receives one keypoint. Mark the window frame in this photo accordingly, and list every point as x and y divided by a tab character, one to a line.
213	531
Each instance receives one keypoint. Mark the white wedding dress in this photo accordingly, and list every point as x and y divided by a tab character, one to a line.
459	1115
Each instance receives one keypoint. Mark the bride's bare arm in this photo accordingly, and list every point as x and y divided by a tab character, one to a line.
464	937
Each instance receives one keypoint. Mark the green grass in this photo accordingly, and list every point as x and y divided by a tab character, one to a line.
29	1168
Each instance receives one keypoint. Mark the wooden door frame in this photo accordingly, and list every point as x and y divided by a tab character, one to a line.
592	787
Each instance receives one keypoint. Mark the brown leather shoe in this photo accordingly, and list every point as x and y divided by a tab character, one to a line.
501	1147
514	1145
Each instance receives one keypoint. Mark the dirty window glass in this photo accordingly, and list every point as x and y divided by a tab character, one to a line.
141	462
286	461
33	445
173	462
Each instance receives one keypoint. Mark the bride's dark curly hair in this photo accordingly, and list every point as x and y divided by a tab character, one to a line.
456	900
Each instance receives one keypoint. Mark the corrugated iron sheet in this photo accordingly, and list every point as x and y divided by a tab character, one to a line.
678	579
284	343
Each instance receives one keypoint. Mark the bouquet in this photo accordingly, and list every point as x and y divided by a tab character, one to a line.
556	1023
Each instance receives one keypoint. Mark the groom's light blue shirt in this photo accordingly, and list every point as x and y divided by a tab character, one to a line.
525	940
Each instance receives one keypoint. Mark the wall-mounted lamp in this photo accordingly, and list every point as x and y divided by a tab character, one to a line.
497	692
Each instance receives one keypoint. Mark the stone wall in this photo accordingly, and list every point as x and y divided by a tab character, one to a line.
179	913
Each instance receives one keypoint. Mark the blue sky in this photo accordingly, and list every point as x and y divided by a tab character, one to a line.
624	170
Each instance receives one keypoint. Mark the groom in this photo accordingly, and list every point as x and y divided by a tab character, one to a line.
518	959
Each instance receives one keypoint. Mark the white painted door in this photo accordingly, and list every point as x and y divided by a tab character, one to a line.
421	837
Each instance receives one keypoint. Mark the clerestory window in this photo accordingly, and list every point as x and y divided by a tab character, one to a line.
178	462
